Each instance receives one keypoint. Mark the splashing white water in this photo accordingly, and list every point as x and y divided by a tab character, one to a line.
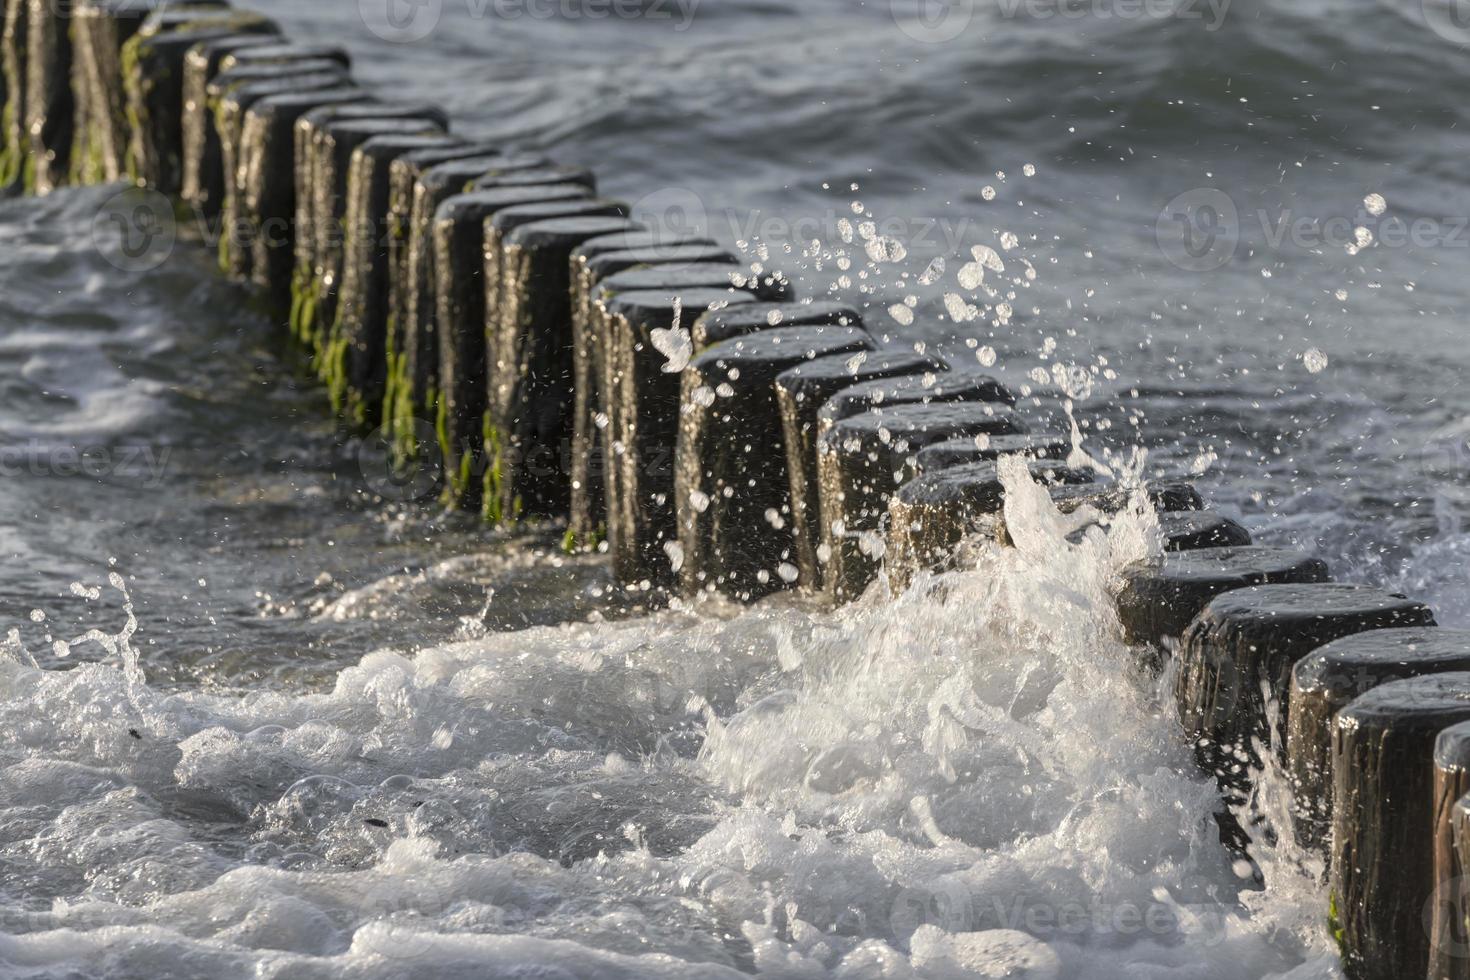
958	781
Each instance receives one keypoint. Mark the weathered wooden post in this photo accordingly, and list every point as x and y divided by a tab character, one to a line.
1236	660
1447	913
153	77
930	517
718	326
356	362
1383	822
732	489
17	144
533	363
337	140
324	139
591	263
800	394
511	489
101	28
416	389
986	449
260	200
1158	599
196	124
215	68
1327	680
459	291
641	399
230	101
862	460
50	105
399	414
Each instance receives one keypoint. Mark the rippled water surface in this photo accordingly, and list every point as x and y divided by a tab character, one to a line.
255	719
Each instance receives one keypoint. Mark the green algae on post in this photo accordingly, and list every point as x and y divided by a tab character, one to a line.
460	317
261	201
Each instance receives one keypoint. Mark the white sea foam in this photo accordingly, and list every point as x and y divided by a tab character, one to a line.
960	781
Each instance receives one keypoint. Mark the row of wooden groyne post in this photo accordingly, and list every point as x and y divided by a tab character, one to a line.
712	432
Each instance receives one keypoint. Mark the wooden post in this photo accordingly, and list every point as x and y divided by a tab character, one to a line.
1327	680
1448	911
532	361
1236	659
641	402
862	460
153	77
1383	822
800	393
1160	598
459	291
261	199
357	358
717	326
930	517
732	490
592	262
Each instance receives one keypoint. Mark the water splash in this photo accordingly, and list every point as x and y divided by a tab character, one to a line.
960	779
